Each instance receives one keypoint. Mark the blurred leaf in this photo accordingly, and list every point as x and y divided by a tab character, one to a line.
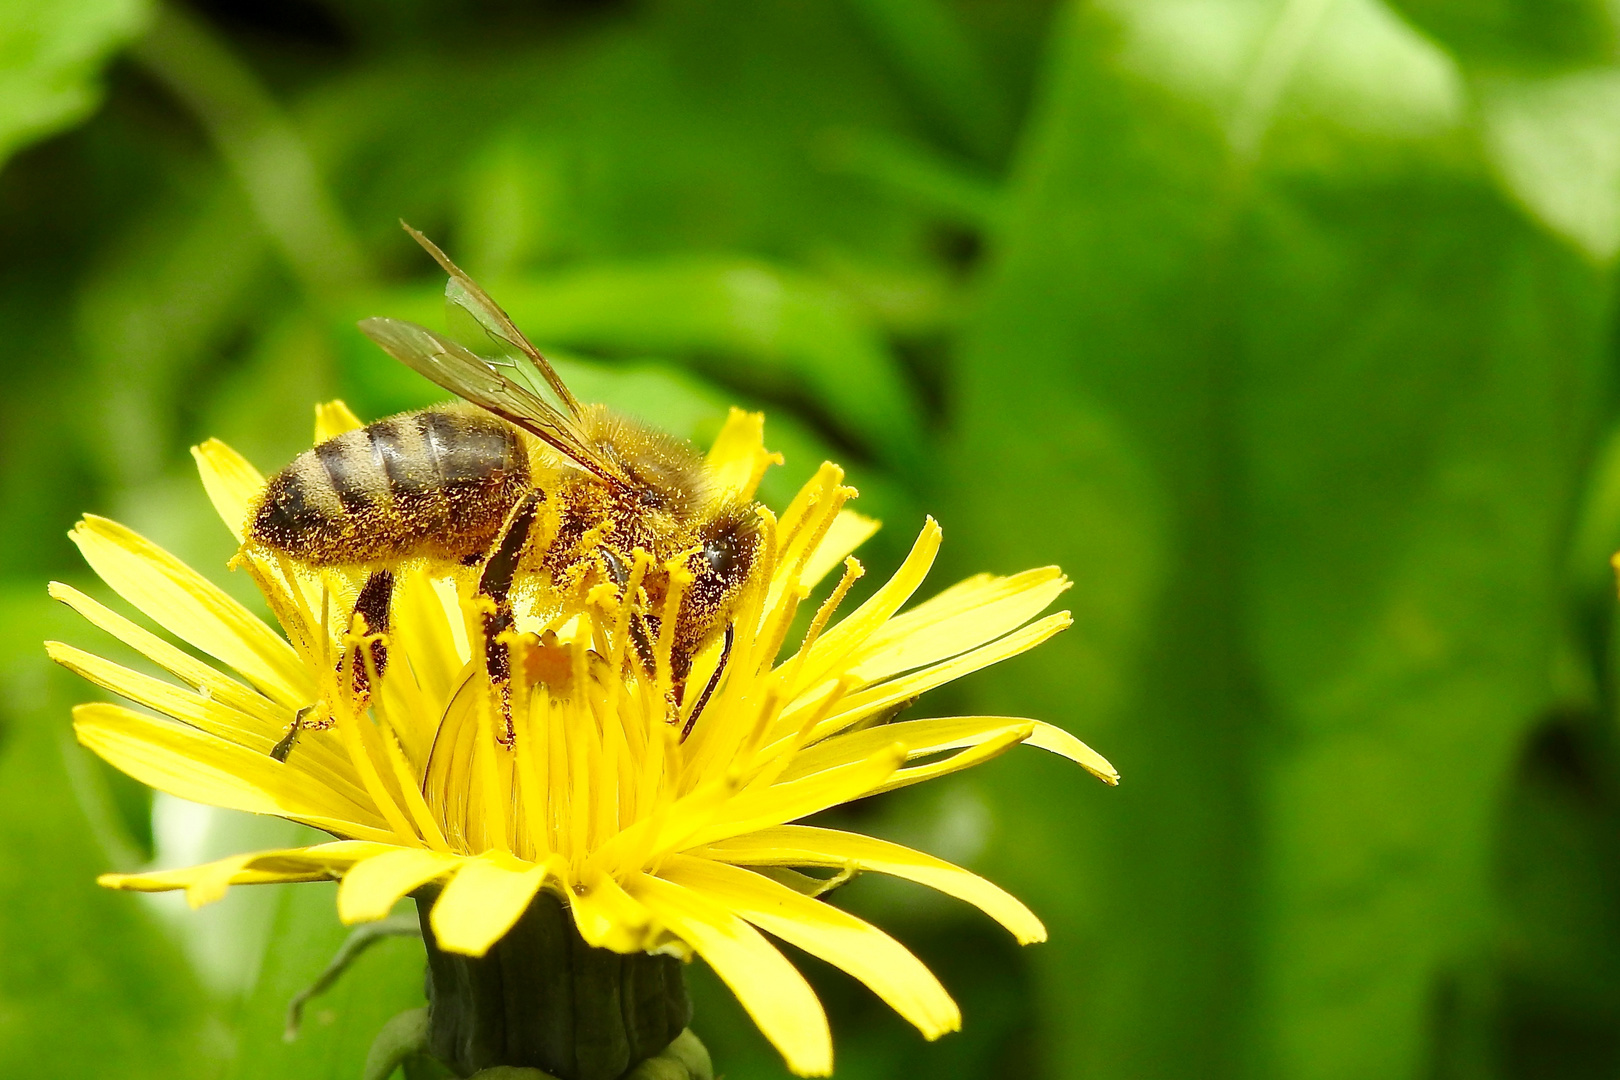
745	322
792	331
1300	70
1597	530
266	154
1318	401
51	55
689	127
152	314
956	193
1548	90
931	49
1556	143
1519	34
90	982
340	1025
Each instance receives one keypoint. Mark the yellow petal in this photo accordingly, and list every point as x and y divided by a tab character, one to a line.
847	532
207	883
850	633
193	765
197	709
921	738
955	621
220	706
666	828
820	929
1060	742
885	695
482	902
206	713
761	807
335	855
203	884
333	418
738	458
773	992
804	845
188	668
610	918
371	888
192	608
965	759
425	631
231	481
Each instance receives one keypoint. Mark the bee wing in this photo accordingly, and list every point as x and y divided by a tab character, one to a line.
465	374
466	294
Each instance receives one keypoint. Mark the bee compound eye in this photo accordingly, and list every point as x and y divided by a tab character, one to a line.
721	554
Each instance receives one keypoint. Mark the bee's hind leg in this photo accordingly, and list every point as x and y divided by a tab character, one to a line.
374	605
500	570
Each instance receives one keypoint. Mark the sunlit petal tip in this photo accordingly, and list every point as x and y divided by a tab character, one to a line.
371	888
231	481
848	531
135	883
1054	739
482	902
334	418
738	459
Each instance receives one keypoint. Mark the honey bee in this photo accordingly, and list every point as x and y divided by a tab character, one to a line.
515	486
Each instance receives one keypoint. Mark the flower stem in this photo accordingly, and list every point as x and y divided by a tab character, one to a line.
542	998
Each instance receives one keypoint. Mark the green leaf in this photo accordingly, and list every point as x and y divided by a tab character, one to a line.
1519	33
929	46
1555	141
51	56
1317	399
340	1025
685	128
957	193
152	312
740	320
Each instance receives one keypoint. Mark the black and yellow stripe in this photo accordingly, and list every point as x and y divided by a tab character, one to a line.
434	483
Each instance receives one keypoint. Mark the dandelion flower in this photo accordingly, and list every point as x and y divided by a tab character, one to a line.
650	841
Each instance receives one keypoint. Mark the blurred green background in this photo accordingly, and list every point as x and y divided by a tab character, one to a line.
1284	326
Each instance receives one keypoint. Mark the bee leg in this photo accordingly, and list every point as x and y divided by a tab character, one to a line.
284	747
373	605
640	636
500	569
714	681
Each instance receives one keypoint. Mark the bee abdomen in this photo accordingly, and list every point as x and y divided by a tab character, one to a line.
436	483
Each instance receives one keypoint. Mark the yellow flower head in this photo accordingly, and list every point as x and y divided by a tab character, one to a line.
654	841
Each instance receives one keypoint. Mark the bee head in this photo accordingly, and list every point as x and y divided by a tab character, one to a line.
664	476
728	551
